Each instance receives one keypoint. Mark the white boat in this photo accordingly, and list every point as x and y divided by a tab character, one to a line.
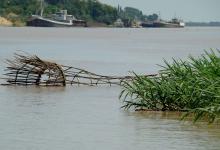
59	19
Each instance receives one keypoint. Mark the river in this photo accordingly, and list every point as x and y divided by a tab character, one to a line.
90	118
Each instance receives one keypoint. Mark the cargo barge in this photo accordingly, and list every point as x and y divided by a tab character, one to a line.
174	23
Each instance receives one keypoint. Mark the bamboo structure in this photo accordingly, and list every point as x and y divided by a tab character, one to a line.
31	70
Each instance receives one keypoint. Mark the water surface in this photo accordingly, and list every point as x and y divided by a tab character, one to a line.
90	117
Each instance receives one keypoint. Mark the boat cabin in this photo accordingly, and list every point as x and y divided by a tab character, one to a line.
63	16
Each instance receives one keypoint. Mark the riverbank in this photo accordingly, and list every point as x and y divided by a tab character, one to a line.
12	20
16	22
5	22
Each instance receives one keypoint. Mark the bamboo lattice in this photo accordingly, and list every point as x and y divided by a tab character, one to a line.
31	70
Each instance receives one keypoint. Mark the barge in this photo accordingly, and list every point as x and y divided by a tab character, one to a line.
174	23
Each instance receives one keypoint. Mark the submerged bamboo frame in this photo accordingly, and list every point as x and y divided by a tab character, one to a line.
31	70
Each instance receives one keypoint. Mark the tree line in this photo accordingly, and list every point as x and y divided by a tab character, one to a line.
89	10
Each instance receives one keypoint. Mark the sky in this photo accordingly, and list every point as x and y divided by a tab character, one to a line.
188	10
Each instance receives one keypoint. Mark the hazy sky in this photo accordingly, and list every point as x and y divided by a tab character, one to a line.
189	10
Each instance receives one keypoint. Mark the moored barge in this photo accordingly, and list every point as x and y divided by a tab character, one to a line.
174	23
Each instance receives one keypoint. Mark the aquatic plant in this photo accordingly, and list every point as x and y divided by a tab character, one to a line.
192	86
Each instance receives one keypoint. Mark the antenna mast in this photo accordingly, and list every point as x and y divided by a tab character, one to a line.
41	8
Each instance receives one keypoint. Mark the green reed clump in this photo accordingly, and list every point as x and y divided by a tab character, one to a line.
192	86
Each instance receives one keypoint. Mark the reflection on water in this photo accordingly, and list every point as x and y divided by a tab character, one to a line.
90	117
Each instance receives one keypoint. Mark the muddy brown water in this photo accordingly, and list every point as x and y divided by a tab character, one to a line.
90	118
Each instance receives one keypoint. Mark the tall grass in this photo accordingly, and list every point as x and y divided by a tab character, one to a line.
192	86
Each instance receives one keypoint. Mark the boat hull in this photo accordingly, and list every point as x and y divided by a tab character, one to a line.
162	25
39	22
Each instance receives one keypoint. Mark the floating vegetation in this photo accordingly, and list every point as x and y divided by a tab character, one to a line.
31	70
191	86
